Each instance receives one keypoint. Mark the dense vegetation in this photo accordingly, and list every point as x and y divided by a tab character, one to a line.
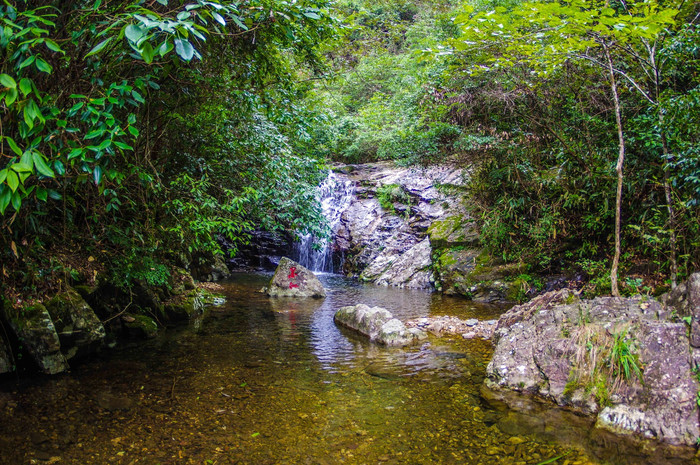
556	108
136	134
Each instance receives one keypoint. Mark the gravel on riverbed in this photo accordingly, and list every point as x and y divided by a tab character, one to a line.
450	325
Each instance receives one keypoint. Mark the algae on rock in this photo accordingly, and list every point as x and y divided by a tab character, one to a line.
79	329
33	326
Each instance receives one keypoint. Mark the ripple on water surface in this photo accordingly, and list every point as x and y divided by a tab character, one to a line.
263	381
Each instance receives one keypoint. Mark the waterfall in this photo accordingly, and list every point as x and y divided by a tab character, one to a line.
335	195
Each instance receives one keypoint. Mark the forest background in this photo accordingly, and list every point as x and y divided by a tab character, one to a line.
137	135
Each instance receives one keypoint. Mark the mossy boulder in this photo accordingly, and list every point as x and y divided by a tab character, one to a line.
79	329
185	306
452	231
139	326
475	274
181	281
452	268
34	328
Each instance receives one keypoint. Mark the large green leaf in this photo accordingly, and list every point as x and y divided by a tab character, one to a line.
7	81
184	49
5	196
97	48
41	165
12	180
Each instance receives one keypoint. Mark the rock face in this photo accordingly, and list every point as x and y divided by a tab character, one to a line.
384	233
33	326
78	328
575	352
378	324
293	280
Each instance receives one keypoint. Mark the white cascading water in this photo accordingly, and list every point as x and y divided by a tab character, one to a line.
335	195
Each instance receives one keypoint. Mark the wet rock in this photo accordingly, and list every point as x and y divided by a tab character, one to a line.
452	231
79	329
33	326
451	325
390	246
139	326
293	280
409	269
181	281
185	306
559	348
212	269
378	324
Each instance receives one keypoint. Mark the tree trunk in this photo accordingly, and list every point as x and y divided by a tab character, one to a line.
615	290
669	206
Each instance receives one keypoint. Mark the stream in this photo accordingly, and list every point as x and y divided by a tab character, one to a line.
274	381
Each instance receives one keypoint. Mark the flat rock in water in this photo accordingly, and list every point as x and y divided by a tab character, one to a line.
293	280
378	324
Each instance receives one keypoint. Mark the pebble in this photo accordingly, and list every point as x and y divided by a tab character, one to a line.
472	322
469	335
515	440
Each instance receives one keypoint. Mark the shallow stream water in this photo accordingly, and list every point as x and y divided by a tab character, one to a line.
261	381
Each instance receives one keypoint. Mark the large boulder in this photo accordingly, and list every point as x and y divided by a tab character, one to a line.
33	326
78	328
378	324
293	280
383	234
584	355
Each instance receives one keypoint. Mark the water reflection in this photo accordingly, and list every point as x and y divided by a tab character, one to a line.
268	381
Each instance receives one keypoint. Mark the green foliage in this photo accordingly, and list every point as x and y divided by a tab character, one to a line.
139	266
380	96
157	126
389	194
527	83
623	359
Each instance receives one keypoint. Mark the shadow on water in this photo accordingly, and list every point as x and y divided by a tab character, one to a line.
263	381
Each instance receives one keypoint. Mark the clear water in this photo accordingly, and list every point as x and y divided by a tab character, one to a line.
263	381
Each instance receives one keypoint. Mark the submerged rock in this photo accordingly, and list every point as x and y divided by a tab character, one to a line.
293	280
378	324
584	355
34	328
79	329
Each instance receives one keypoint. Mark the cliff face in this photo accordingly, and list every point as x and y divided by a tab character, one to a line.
386	234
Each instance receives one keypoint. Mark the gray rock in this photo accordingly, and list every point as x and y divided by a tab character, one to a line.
544	347
378	324
391	247
684	300
293	280
79	329
33	326
472	322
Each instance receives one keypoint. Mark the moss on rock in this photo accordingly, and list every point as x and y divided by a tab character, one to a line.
140	326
